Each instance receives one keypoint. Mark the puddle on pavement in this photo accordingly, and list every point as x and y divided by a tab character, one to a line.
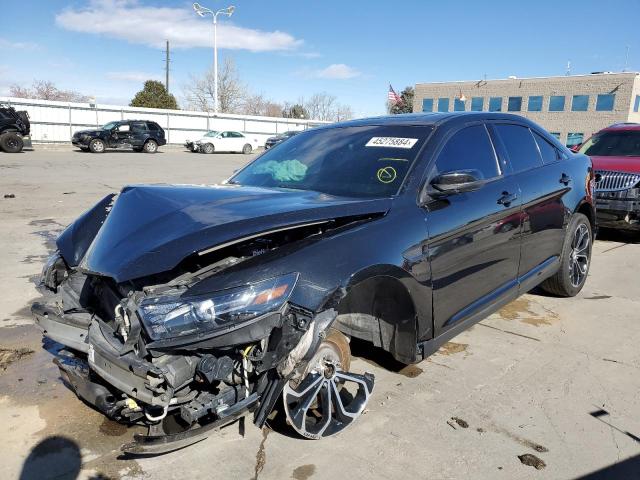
451	348
34	381
524	310
303	472
411	371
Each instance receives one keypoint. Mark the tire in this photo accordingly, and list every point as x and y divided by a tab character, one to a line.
575	259
246	149
150	146
207	148
97	146
11	142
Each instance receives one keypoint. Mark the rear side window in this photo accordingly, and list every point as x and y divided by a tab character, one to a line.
153	126
521	147
467	149
549	153
139	127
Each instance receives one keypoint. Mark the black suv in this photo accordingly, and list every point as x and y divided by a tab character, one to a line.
14	126
273	141
141	135
190	305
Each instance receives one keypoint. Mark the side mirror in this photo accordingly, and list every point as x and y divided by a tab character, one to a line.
460	181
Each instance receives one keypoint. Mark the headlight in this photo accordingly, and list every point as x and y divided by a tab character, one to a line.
171	316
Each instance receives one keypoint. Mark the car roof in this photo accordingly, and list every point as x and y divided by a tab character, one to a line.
424	119
616	127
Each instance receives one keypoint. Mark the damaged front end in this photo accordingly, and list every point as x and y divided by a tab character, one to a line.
149	351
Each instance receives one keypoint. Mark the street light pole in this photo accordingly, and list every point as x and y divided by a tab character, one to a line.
202	11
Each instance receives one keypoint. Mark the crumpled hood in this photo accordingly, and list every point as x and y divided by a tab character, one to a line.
618	164
151	228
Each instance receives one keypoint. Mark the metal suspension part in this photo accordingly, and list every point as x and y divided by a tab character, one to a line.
329	397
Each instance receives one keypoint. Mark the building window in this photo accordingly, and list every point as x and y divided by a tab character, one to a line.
580	103
535	103
636	105
605	102
458	105
574	139
443	104
555	134
427	104
477	103
514	104
495	104
556	103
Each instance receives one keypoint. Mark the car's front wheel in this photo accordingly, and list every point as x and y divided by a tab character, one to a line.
575	259
97	146
247	149
207	148
150	146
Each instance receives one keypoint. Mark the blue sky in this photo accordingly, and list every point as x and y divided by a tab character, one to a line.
288	49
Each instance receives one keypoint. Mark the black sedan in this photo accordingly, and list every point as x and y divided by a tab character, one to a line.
184	308
273	141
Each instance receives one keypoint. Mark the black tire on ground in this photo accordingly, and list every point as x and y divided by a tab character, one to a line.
11	142
246	149
574	260
97	146
207	148
150	146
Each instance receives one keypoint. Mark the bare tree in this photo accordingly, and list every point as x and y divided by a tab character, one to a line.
46	90
320	106
231	91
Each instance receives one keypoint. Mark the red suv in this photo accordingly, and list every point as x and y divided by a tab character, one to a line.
615	153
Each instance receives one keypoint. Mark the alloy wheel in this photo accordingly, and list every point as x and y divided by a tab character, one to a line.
580	255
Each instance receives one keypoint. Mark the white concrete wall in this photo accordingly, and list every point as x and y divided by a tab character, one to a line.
56	121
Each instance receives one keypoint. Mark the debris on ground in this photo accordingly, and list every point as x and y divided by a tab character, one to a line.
9	195
10	355
532	461
461	423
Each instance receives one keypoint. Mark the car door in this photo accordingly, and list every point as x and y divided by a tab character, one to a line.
239	141
224	142
473	244
139	133
542	186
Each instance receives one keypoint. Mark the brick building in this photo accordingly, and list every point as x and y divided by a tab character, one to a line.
570	107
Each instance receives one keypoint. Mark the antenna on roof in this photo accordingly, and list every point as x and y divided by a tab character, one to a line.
626	59
568	73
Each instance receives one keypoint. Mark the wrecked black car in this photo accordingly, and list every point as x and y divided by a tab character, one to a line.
184	308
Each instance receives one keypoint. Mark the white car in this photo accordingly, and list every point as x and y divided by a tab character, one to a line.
228	141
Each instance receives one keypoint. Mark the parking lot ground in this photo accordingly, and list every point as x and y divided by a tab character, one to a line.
553	381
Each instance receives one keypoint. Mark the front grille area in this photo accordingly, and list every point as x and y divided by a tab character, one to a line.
615	181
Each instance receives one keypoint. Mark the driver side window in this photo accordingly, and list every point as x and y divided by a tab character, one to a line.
469	149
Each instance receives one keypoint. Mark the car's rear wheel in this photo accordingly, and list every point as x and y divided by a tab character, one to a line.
97	146
327	398
150	146
11	142
247	149
574	260
207	148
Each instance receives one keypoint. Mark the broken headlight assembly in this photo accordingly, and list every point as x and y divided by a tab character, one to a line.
170	316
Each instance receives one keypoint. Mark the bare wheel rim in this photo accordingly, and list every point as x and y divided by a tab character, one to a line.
580	255
328	399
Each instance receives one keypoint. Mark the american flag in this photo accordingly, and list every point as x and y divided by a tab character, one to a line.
393	96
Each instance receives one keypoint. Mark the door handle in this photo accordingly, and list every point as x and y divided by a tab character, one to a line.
565	179
507	198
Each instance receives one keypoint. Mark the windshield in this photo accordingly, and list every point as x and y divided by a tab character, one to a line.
109	126
623	143
211	134
368	161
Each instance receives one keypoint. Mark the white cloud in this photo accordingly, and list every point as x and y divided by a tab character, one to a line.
133	76
8	44
136	23
337	71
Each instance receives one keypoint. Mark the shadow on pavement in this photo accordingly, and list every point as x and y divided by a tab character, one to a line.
625	470
53	457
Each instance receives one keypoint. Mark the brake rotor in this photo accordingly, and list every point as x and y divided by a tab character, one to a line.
329	397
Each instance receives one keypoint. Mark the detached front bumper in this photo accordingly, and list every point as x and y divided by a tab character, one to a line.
620	214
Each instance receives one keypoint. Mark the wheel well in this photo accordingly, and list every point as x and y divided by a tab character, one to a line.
587	211
380	310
